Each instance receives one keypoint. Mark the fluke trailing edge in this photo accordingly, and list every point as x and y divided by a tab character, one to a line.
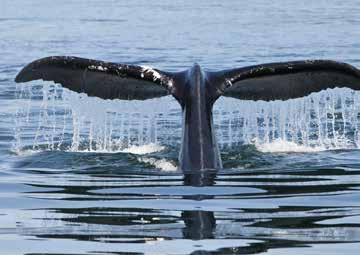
196	90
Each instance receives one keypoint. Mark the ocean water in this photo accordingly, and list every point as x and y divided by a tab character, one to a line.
81	175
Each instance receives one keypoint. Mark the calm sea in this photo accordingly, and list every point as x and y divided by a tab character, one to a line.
68	185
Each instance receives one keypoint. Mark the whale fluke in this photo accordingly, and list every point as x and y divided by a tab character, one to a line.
282	81
98	78
196	90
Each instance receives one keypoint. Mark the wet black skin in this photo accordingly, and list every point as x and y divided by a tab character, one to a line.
199	149
195	90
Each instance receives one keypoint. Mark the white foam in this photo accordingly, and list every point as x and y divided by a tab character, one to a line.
161	164
134	149
26	153
285	146
144	149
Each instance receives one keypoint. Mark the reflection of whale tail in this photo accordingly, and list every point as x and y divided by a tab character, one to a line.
198	224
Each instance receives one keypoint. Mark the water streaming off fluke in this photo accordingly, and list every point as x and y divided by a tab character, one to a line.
63	120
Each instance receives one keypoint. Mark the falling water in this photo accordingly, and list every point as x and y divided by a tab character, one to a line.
321	121
51	118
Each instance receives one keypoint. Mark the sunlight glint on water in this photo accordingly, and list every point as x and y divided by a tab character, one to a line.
63	120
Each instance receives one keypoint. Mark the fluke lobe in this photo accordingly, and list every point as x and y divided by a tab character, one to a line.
195	90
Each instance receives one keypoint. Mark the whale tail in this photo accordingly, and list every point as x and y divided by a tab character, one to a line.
285	80
194	89
101	79
273	81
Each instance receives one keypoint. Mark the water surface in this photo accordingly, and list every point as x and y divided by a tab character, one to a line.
294	189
